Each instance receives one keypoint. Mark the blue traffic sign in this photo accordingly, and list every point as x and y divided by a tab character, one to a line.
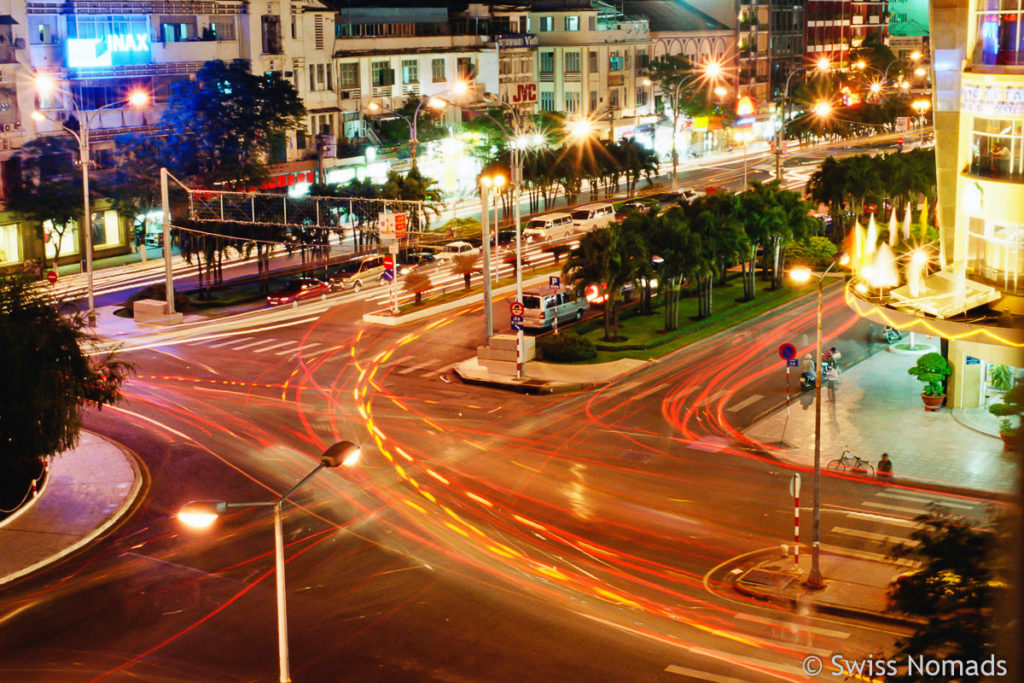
554	281
787	352
388	275
792	362
517	325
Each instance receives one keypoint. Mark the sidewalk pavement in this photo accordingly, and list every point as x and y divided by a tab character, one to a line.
855	585
88	489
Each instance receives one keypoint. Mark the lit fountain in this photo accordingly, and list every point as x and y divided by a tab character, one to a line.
871	241
893	227
906	224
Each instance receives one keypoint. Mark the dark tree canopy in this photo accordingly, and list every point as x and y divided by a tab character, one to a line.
48	379
222	125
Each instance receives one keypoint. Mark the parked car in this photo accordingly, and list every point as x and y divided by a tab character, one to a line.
546	304
408	261
300	288
507	238
631	207
360	271
551	226
593	217
457	248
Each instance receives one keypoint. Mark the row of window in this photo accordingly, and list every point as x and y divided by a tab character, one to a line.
382	74
42	29
997	149
572	61
1000	35
572	100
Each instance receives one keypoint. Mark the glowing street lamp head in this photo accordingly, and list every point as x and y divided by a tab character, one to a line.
919	72
38	115
373	106
823	64
875	88
713	70
720	91
822	109
200	514
580	128
800	274
647	82
45	84
860	64
904	85
915	55
436	103
918	257
460	87
342	453
139	98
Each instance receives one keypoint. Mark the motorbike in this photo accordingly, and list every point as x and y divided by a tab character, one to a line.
807	379
892	335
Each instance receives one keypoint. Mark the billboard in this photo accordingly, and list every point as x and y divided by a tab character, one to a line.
110	50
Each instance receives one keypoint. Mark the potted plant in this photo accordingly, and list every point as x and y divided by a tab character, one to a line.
1010	409
932	369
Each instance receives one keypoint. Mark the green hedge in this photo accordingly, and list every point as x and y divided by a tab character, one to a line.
566	347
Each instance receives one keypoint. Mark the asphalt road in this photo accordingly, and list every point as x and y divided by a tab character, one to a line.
486	535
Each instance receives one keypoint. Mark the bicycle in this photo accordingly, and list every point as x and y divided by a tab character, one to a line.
849	461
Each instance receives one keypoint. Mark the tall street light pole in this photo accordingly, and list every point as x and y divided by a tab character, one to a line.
780	139
135	99
814	578
202	513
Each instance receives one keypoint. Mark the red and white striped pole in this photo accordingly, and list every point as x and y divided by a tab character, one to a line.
794	489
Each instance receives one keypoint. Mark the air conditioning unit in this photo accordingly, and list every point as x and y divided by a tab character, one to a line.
345	94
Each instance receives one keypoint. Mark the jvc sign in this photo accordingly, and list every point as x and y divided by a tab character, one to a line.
525	93
111	50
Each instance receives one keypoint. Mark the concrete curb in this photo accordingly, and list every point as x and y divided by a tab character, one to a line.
525	388
112	519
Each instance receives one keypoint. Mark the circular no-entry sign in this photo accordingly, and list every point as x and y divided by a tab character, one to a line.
516	308
51	277
389	262
787	352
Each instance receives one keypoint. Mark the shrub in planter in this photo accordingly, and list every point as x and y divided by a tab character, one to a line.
932	369
566	347
1010	410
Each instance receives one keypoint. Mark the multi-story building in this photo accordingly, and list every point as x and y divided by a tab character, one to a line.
96	55
591	60
834	27
753	44
787	27
975	299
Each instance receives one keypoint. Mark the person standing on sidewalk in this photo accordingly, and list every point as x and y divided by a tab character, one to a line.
884	469
832	378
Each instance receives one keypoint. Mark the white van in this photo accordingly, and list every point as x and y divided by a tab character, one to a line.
543	304
553	226
453	249
593	217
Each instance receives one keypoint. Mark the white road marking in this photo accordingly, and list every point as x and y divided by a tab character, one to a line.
712	444
246	346
749	400
871	536
866	555
418	366
304	347
624	387
701	675
232	340
883	519
790	626
438	371
919	498
648	392
290	342
684	392
893	508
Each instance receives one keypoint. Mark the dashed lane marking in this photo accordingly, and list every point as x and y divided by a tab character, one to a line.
872	536
305	347
749	400
920	498
233	340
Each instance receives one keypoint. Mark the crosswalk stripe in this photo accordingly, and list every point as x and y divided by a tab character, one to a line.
263	349
894	508
233	340
304	347
790	626
712	444
648	392
883	519
438	371
246	346
867	555
749	400
418	366
917	497
872	536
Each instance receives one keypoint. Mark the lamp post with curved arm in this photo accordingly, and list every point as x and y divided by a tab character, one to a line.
135	99
821	65
202	513
435	101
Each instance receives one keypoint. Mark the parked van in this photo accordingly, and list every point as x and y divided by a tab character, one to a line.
593	217
353	274
453	249
552	226
543	304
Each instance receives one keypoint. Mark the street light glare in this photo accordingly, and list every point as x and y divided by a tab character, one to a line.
824	64
800	274
822	109
38	115
915	55
460	87
199	514
720	91
919	72
876	87
860	65
713	70
45	84
436	103
580	128
138	98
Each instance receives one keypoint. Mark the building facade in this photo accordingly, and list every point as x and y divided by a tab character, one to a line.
834	27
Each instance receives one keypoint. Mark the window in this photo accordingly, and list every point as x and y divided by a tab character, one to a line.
465	68
410	71
42	30
641	96
615	61
547	62
572	62
547	24
177	29
613	98
592	61
572	102
997	148
382	73
318	33
547	100
10	245
271	27
572	23
593	100
437	70
592	23
312	77
222	27
643	61
348	76
1000	36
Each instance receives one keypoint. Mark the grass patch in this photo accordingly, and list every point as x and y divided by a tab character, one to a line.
645	337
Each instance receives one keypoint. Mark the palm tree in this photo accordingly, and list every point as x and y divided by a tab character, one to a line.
416	283
607	259
465	265
414	187
828	185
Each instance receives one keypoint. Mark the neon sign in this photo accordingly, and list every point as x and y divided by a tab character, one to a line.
110	50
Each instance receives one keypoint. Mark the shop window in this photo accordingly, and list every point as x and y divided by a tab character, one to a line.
10	245
1000	34
997	148
67	236
106	229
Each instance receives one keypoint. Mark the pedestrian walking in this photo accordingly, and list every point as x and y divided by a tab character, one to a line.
884	469
832	378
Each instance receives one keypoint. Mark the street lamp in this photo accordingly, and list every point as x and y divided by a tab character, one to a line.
136	99
822	65
435	102
921	107
496	181
814	579
202	513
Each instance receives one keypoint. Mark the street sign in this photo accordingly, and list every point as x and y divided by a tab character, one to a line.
554	281
787	352
392	226
517	309
794	485
516	322
51	277
389	262
792	362
902	124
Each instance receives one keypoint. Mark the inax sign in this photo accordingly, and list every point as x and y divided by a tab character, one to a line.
110	50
